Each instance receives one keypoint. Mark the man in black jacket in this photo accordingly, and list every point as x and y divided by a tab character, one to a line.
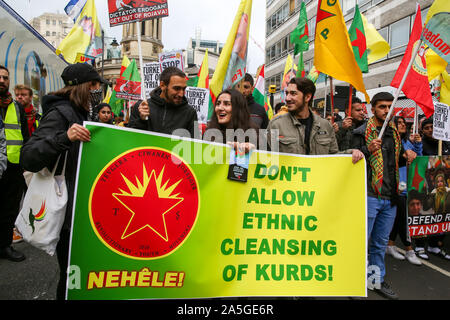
257	112
167	109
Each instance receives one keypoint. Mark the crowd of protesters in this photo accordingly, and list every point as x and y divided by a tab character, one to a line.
31	142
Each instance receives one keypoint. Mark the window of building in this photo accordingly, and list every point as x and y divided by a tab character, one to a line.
54	22
399	36
47	33
47	21
54	33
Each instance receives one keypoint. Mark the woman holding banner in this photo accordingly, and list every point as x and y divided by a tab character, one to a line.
59	134
231	114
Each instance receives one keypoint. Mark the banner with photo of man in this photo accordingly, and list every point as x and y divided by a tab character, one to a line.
429	196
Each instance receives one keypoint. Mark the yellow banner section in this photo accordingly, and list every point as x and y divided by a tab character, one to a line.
299	229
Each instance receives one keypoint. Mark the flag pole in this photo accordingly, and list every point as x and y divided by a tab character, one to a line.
332	100
350	101
399	89
141	63
325	105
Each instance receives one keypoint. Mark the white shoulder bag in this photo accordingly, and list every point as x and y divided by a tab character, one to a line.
44	208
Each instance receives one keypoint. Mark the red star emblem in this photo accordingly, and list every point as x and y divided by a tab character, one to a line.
417	179
148	210
360	42
322	14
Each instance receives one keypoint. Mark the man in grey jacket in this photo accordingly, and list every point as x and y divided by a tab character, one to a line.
300	131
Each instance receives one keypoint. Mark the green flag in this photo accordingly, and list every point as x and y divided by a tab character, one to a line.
416	173
358	40
300	34
115	103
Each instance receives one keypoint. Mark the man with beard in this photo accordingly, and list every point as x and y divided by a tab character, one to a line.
12	183
300	131
383	157
167	109
257	112
353	120
430	144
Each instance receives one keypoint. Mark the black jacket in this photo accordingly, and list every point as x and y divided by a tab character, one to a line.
165	117
257	113
50	140
430	147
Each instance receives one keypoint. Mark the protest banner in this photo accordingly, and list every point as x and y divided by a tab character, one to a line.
441	122
128	11
161	220
428	196
83	58
171	59
151	77
198	98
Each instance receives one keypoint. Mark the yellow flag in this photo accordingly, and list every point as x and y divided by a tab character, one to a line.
438	6
108	95
203	75
445	88
333	50
435	64
376	44
231	64
84	37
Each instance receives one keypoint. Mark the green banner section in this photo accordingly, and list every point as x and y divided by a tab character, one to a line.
156	217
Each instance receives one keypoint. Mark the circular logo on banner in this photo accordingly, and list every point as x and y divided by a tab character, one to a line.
419	63
144	203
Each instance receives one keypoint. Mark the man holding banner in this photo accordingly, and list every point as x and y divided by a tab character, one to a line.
167	109
300	131
382	185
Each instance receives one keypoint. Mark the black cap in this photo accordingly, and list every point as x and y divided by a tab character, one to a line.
79	73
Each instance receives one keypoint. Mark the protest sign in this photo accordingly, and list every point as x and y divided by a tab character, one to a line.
161	220
171	59
128	11
83	58
198	98
441	122
151	77
428	196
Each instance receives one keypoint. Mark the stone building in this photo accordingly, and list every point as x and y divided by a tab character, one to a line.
54	27
393	19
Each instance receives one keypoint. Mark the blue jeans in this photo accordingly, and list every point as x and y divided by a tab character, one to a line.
380	219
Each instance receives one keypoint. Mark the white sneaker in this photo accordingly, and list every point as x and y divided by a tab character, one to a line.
393	252
434	250
412	258
421	253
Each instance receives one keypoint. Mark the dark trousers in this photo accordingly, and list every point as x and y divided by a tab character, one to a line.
12	186
400	226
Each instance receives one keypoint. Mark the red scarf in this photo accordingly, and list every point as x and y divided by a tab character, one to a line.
32	120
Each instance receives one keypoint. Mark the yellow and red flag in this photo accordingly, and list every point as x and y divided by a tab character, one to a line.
333	50
233	59
416	87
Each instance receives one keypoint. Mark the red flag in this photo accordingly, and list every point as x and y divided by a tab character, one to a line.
416	86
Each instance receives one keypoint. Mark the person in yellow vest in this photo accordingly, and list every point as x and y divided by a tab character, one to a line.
12	183
3	159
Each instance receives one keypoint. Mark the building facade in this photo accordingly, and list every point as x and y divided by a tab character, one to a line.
54	27
393	19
